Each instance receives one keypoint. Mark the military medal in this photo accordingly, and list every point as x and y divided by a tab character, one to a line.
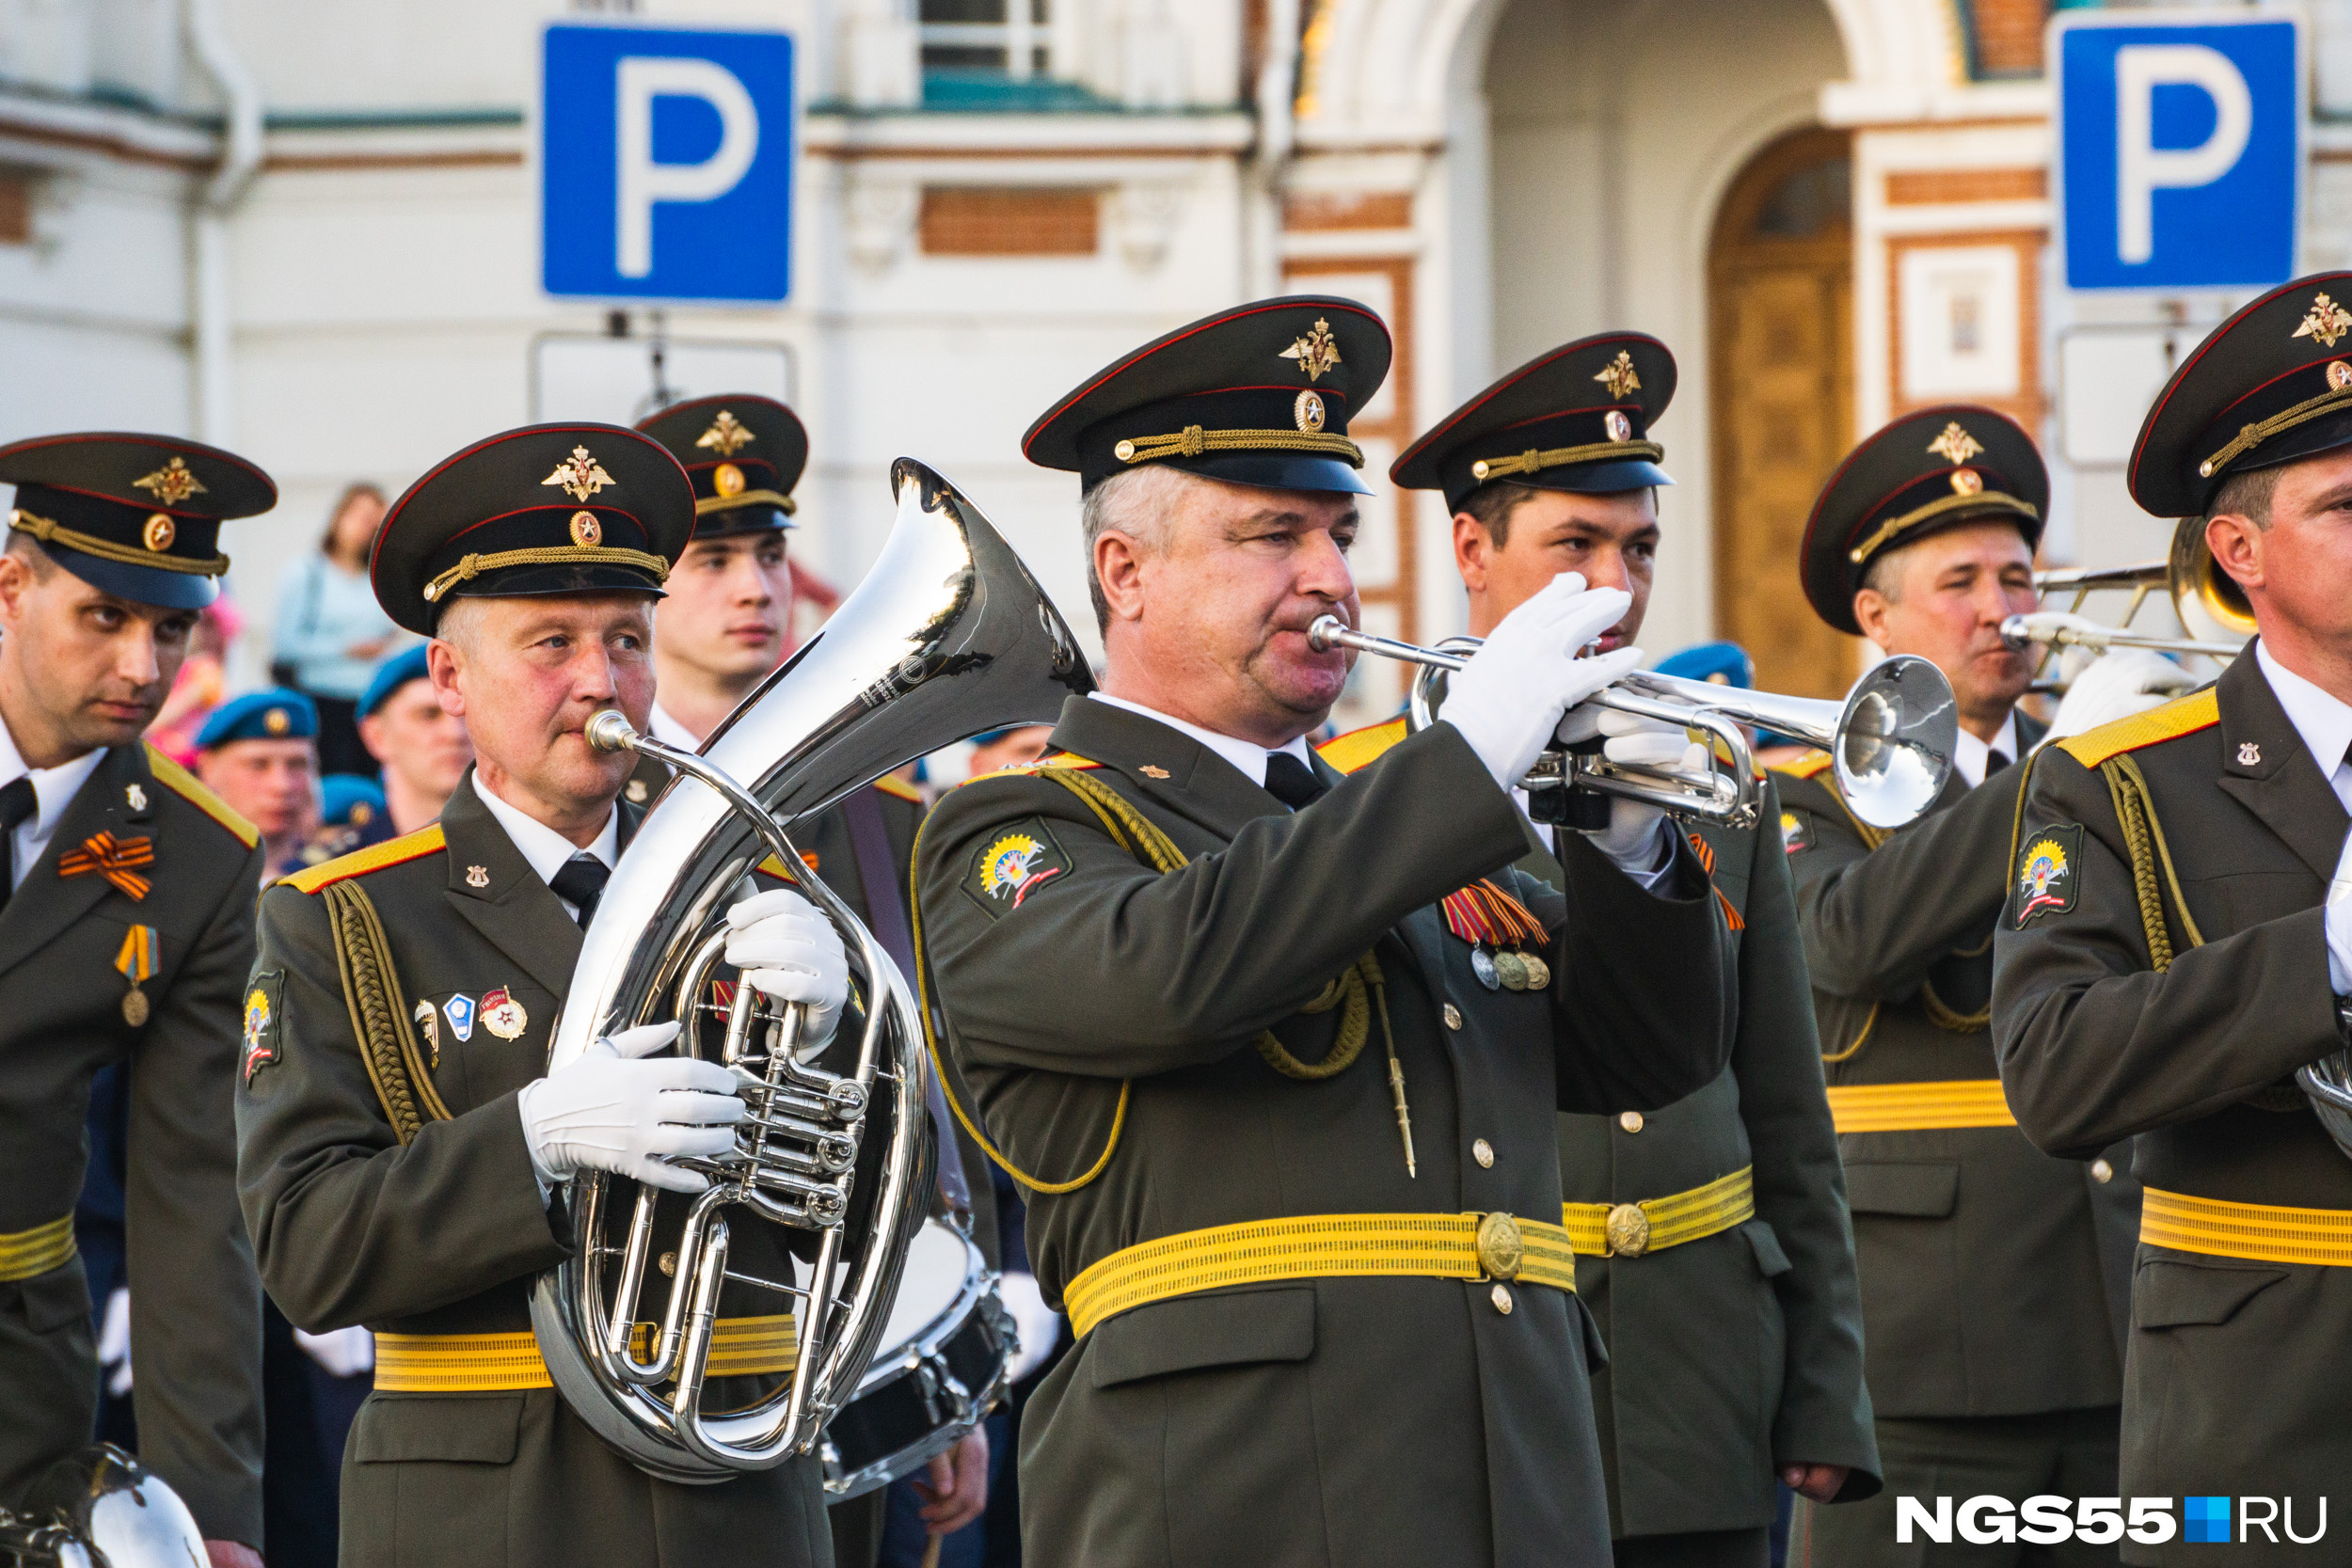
136	964
1538	971
1511	970
1498	927
1482	966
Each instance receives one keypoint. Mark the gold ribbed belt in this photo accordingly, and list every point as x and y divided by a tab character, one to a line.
2262	1232
26	1253
494	1363
1630	1229
1919	1107
1496	1246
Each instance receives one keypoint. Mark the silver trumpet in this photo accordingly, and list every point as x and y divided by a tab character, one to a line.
1890	741
2209	603
98	1509
948	635
2020	632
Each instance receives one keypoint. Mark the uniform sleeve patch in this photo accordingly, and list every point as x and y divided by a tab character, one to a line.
2049	874
264	1018
1795	833
1012	862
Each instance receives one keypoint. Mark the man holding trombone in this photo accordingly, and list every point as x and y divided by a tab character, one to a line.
2176	952
1711	1234
1988	1288
1223	1014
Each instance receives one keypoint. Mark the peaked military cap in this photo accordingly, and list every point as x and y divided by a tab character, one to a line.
743	453
1260	394
1928	471
276	714
138	517
2270	385
547	509
1576	419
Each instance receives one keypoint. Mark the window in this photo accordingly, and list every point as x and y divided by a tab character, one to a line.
1007	37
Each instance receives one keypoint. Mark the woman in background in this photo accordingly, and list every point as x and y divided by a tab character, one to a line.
330	633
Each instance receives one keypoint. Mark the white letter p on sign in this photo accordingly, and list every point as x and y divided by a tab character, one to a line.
643	182
2142	168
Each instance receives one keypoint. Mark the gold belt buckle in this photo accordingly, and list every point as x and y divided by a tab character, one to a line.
1628	1230
1500	1247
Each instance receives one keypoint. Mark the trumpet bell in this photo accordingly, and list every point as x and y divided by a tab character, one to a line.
98	1508
1895	739
2212	606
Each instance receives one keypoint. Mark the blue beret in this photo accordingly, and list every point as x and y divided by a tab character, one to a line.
349	800
274	715
1704	661
390	675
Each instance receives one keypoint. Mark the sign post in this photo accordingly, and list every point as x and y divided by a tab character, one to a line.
666	162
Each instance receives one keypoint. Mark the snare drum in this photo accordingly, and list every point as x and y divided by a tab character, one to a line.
939	1368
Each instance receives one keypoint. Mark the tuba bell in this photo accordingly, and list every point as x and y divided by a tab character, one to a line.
2211	605
948	635
98	1509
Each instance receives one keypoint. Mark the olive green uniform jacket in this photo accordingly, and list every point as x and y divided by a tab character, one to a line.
1739	1351
196	1306
1362	1421
2236	1380
447	1234
1987	1285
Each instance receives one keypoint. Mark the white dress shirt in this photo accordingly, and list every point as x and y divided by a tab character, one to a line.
2325	725
1971	757
1246	755
544	847
54	789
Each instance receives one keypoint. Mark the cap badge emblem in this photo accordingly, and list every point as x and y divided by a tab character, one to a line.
727	479
2250	754
586	531
1317	352
582	476
1955	445
1619	427
159	533
1620	376
1309	412
1966	482
727	435
277	724
173	483
2338	376
2325	321
477	876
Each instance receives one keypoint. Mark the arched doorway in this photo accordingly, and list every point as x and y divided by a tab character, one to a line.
1780	285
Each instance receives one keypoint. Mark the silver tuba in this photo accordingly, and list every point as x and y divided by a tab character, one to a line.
948	635
98	1509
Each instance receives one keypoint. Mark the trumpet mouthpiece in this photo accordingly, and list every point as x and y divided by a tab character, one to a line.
1323	633
611	731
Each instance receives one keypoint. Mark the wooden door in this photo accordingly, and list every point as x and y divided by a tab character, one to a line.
1780	302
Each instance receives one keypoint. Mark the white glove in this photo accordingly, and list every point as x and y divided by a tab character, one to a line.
2338	925
790	952
1507	701
114	1342
2116	685
609	1111
344	1351
1635	837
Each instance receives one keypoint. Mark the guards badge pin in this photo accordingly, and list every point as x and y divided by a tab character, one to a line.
2048	873
502	1015
1011	863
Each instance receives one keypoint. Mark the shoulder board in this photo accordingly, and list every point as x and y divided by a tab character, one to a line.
1359	748
1059	759
186	786
1805	766
2198	710
890	783
376	856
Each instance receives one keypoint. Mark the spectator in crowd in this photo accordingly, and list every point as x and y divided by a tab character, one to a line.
260	753
1009	747
424	750
351	816
330	632
202	684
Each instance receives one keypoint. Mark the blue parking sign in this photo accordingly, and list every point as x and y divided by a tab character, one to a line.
665	163
2180	149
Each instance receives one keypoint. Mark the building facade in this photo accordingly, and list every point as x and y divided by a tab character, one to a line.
310	232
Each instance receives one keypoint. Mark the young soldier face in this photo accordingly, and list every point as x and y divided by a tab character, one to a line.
527	675
268	782
729	603
92	668
1610	539
426	748
1216	593
2298	571
1945	598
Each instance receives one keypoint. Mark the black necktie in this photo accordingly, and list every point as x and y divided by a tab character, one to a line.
1292	781
1995	762
17	806
579	882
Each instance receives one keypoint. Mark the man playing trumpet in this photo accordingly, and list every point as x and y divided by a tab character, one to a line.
1291	1161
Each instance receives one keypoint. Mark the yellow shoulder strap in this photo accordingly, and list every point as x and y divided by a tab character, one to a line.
2198	710
1359	748
191	790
